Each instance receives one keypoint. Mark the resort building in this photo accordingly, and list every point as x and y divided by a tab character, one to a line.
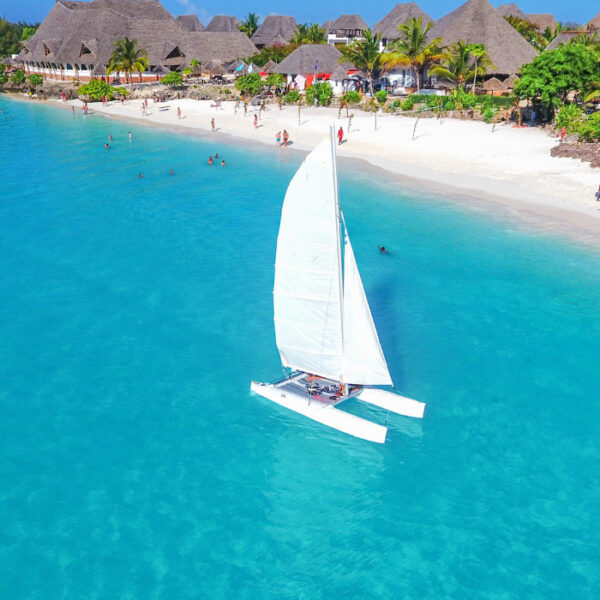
310	62
275	30
542	22
76	40
478	22
346	29
190	22
511	10
400	14
223	24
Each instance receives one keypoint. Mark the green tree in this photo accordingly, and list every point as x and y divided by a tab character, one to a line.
277	81
250	84
528	31
250	24
187	71
127	58
172	79
456	65
28	31
364	54
413	49
550	34
276	53
555	73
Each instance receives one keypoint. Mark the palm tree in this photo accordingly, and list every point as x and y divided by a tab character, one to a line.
309	34
364	54
550	34
456	65
412	49
482	61
127	58
250	24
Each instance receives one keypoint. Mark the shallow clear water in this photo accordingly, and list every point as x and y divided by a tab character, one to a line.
134	463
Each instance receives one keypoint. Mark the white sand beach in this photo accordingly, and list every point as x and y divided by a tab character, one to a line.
508	165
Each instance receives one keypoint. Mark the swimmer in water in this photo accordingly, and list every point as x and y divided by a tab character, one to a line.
210	160
110	138
217	155
140	176
383	250
129	134
106	146
223	163
171	172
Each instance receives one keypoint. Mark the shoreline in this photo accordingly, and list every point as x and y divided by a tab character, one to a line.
520	195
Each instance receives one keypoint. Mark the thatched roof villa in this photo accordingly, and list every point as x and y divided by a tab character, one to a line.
400	14
275	29
478	22
511	10
190	22
345	29
594	24
76	39
223	24
299	66
542	21
564	37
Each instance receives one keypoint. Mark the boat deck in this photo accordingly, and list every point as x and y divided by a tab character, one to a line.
317	389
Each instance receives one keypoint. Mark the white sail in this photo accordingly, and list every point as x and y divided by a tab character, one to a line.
307	291
364	362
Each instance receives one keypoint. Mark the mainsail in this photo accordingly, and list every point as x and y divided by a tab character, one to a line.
306	294
322	326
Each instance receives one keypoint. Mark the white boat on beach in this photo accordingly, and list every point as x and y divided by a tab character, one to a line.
324	330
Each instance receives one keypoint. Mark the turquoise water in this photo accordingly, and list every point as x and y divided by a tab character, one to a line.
134	463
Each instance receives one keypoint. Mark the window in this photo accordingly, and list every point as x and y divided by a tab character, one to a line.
175	53
46	50
84	50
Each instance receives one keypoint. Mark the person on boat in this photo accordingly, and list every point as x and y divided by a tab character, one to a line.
210	160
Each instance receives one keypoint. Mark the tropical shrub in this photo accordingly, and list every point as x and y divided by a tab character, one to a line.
569	116
95	90
292	96
276	80
409	103
488	114
17	77
250	84
3	78
321	91
381	96
35	79
589	128
121	91
172	79
351	97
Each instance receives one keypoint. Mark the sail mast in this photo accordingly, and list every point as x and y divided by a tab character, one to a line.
338	229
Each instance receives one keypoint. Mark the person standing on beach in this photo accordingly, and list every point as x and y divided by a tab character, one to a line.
340	135
212	124
278	139
255	121
286	137
597	194
178	112
563	132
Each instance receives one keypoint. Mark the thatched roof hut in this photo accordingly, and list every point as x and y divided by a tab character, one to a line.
327	25
302	60
594	23
223	23
509	83
277	41
82	34
339	74
348	24
274	26
190	22
511	10
493	85
564	37
477	22
218	46
400	14
542	21
269	67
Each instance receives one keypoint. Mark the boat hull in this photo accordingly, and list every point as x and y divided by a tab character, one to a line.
321	412
400	405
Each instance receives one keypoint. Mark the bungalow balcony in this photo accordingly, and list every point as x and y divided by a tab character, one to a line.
344	36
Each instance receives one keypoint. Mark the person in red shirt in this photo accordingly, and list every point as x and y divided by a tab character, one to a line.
340	135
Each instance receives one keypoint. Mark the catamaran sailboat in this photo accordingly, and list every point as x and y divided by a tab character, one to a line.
324	330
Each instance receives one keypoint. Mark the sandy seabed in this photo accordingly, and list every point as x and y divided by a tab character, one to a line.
481	165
